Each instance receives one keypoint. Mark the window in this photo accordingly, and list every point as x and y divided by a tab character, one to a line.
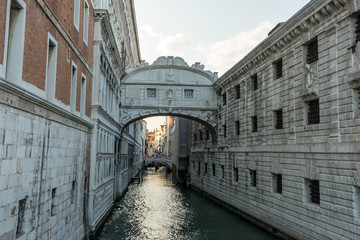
15	41
195	137
76	13
254	124
83	95
20	222
51	68
223	171
73	87
313	190
278	119
357	202
53	203
357	29
200	135
237	91
278	68
224	128
254	81
73	189
188	93
356	101
224	98
207	134
237	127
236	174
151	92
86	22
313	112
253	178
213	169
193	165
199	168
205	170
277	183
312	51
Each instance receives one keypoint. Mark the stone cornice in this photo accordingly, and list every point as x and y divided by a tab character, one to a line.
30	98
312	14
50	14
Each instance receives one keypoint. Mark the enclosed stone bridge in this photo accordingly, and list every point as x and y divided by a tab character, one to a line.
165	161
169	87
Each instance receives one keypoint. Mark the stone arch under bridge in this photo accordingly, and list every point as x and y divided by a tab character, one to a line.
169	87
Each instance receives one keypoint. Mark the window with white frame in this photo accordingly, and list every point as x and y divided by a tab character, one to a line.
86	22
73	87
51	68
83	95
77	14
15	41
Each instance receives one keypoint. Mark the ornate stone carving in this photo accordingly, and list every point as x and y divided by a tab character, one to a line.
311	78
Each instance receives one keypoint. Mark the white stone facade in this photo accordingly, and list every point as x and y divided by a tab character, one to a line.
288	149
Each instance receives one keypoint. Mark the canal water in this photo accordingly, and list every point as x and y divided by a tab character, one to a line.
157	209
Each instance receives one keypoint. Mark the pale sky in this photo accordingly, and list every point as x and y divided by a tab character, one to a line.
216	33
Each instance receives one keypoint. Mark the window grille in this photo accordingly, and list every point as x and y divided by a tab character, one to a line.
237	91
188	93
213	169
200	135
224	98
279	68
199	169
278	119
278	178
253	178
254	81
207	134
313	112
224	127
254	124
312	51
357	29
236	174
205	170
223	171
237	127
151	92
314	191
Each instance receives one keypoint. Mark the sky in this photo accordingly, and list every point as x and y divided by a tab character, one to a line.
216	33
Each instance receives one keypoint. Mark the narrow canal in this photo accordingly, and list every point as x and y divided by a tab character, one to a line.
157	209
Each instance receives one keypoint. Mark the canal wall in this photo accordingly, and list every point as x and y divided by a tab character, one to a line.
288	127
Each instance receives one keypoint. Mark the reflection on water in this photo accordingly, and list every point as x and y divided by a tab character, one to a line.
157	209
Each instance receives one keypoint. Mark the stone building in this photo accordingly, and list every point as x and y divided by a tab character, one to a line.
287	155
46	73
114	156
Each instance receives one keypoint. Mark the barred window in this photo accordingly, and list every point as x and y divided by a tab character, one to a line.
279	119
195	137
312	51
313	112
278	68
357	29
188	93
207	134
199	168
224	98
151	92
236	174
254	124
254	81
237	127
253	178
237	91
200	135
205	170
213	169
277	182
224	128
193	165
223	171
314	188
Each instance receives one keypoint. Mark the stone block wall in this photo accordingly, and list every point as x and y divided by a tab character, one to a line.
43	169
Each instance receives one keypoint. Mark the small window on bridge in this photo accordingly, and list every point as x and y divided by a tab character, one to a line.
213	169
236	174
207	134
205	170
223	171
195	138
151	92
237	127
200	135
254	124
277	183
193	165
199	168
224	127
188	93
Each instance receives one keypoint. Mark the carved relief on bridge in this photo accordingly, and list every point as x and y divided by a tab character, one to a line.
169	86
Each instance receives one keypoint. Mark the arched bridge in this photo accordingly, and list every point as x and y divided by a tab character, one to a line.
169	87
166	161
